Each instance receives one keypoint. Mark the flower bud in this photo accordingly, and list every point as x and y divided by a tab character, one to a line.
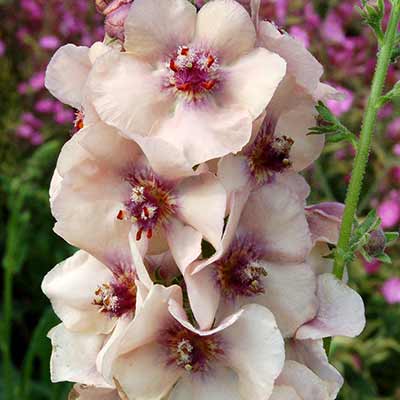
377	243
116	13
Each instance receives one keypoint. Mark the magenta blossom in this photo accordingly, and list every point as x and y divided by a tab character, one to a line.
393	129
389	212
339	107
371	267
49	42
391	290
2	48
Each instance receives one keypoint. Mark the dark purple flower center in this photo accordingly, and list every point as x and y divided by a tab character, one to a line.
118	296
151	203
269	155
189	351
239	272
193	73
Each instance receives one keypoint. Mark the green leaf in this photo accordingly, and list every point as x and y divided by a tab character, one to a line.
384	258
391	236
331	126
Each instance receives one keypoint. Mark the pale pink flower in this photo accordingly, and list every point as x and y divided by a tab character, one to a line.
186	80
265	244
89	296
104	187
161	355
280	140
77	354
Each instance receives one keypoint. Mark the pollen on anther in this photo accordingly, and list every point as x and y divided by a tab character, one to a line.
193	73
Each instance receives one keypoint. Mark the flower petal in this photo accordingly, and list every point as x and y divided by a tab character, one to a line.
312	354
341	311
233	172
290	295
296	124
72	153
275	215
301	64
256	351
266	70
204	296
177	311
317	260
324	220
284	393
116	82
154	28
106	145
221	384
202	204
164	157
296	182
74	356
184	243
110	350
304	381
143	373
86	213
225	26
236	203
67	73
137	259
150	318
71	287
224	130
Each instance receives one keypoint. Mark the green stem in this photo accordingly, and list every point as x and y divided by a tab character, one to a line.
6	333
361	160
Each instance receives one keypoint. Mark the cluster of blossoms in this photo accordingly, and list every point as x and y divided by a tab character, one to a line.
201	272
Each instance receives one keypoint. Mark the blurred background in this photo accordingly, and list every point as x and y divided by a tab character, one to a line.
34	126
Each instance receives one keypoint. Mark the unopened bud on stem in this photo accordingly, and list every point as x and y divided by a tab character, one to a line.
377	243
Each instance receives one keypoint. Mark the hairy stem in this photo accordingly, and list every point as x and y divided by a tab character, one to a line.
361	160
